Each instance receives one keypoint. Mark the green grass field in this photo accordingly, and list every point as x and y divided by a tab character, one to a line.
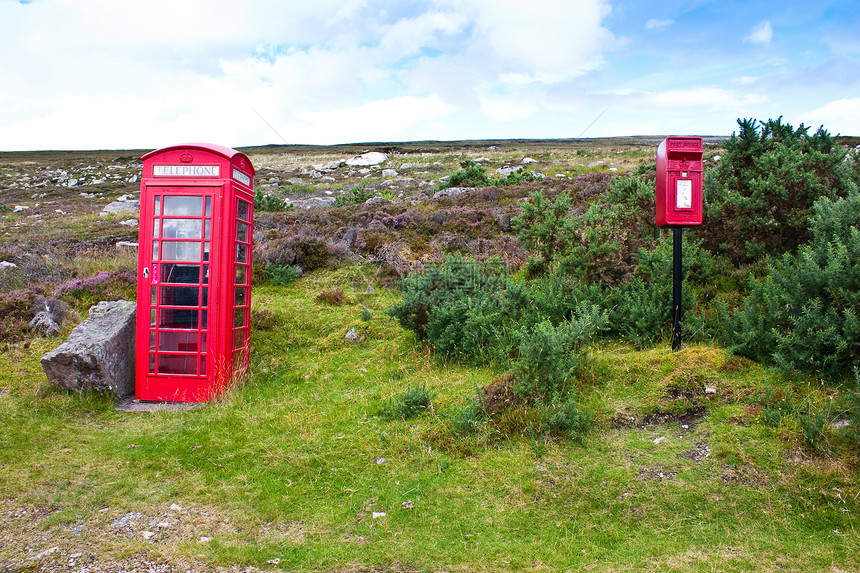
295	471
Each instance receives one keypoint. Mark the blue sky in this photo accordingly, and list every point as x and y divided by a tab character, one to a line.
108	74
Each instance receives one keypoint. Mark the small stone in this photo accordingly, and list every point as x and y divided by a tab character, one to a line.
408	505
660	439
378	514
129	223
274	561
370	290
204	539
162	525
380	461
527	160
710	390
594	164
148	534
352	335
19	208
389	173
8	265
175	507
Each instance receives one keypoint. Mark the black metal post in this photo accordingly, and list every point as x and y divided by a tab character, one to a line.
676	290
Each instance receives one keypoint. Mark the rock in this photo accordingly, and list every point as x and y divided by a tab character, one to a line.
594	164
367	159
717	158
406	166
129	223
8	265
389	173
127	246
334	164
19	208
352	335
527	160
99	353
44	323
314	203
378	514
505	171
451	192
710	390
121	207
660	439
613	169
378	201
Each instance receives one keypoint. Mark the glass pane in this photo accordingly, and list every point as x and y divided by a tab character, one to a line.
157	206
204	320
239	317
239	299
154	250
205	251
240	275
181	228
205	274
152	363
238	339
179	274
178	318
238	361
206	225
242	211
208	206
242	232
203	340
181	251
179	296
152	341
203	365
205	297
177	364
183	206
156	227
241	253
152	318
177	341
154	290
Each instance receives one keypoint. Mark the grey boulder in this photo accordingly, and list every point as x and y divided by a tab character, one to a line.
99	353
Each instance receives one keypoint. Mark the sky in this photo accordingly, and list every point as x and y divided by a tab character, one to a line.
125	74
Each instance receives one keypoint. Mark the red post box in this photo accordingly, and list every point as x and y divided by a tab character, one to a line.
194	272
679	181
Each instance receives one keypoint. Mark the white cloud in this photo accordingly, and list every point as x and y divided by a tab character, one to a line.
840	116
654	24
761	34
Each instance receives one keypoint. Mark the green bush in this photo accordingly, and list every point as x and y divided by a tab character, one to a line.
759	197
283	274
271	203
547	355
570	419
357	195
545	227
473	174
805	314
410	404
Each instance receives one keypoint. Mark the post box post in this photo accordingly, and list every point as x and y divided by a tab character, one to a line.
194	272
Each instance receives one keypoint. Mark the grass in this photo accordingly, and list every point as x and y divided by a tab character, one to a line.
296	466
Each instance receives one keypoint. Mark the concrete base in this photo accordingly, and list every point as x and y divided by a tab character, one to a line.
135	405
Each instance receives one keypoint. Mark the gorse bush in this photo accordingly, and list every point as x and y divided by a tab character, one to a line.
759	196
271	203
805	314
415	401
473	174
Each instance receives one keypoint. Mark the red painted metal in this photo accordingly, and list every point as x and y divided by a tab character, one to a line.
679	181
194	272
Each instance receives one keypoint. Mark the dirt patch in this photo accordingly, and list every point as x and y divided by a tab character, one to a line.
656	473
698	452
499	395
689	418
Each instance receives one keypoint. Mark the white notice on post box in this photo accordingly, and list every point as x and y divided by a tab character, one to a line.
684	194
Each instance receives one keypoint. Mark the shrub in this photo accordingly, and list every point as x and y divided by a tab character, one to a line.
805	314
283	274
471	174
271	203
759	197
334	297
545	227
104	285
358	194
571	420
410	404
547	355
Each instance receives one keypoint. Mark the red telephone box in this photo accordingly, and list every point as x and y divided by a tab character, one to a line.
194	272
679	181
